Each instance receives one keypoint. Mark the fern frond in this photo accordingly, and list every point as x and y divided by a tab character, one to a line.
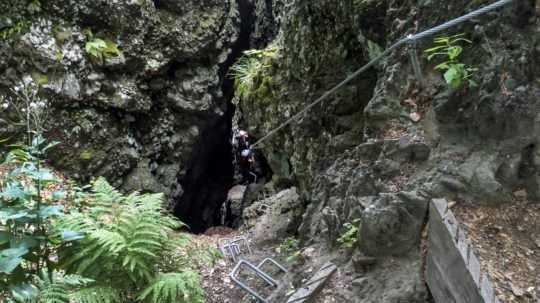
113	242
126	240
181	287
96	294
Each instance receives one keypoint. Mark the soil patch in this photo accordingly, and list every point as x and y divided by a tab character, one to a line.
507	240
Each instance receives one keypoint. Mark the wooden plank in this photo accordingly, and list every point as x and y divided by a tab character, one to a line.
309	290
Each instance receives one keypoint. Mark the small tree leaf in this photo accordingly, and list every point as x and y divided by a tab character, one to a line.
5	237
50	211
70	235
25	292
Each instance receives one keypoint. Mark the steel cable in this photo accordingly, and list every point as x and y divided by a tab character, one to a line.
411	39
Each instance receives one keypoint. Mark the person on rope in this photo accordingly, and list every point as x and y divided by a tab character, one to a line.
241	140
247	166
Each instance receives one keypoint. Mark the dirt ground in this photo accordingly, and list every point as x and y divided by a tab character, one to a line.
217	285
506	238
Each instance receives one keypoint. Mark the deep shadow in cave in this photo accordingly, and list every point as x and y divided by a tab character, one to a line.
211	174
208	180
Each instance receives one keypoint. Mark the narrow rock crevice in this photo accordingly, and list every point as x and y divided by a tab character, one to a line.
211	173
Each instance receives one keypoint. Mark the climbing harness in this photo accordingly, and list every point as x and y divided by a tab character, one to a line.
410	40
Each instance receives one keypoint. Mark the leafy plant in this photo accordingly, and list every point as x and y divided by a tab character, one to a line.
49	287
349	238
23	17
248	67
27	238
18	28
174	287
100	49
290	247
450	48
125	240
105	247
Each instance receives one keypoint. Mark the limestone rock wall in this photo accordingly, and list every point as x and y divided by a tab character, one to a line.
382	147
148	119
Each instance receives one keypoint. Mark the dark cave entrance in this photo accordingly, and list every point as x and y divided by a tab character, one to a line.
211	174
208	180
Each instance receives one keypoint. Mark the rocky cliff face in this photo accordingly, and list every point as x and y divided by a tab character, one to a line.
381	147
154	118
157	116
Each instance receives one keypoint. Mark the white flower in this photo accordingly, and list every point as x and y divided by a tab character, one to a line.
5	105
33	105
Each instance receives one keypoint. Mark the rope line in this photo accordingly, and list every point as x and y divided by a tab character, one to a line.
410	39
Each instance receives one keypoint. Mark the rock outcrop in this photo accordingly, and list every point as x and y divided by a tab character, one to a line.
382	146
153	117
152	111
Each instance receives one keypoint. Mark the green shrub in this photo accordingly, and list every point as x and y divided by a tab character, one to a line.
126	239
19	27
100	49
290	248
456	73
250	66
27	241
104	247
349	237
23	18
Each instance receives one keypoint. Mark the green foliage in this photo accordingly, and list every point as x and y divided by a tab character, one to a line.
349	237
27	239
174	288
121	244
16	29
24	16
290	247
456	73
49	287
100	49
250	66
125	244
118	243
96	294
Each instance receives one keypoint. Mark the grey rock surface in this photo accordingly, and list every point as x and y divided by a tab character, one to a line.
361	155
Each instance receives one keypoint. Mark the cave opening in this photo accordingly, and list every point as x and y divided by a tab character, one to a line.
211	174
208	179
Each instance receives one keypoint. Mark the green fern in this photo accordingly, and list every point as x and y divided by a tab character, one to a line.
49	288
126	241
174	288
249	67
96	294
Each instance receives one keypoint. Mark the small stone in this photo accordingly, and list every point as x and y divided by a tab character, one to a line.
517	291
415	117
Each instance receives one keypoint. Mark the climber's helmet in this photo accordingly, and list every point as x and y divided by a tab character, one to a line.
243	133
245	153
